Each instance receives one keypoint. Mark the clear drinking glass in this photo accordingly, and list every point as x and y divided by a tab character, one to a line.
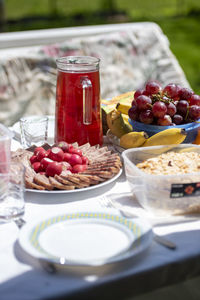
34	130
11	191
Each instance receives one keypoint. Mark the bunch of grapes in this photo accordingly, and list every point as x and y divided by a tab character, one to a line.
172	105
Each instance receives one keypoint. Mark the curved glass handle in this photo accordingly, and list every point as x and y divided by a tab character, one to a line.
87	101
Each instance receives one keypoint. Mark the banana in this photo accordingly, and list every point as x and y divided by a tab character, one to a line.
125	118
133	139
116	123
166	137
123	107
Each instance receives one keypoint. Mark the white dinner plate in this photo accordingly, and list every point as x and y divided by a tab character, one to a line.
51	122
85	238
92	187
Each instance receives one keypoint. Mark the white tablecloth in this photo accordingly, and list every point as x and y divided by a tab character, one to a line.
21	277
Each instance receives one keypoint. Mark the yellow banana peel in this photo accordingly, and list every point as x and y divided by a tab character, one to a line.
116	123
125	118
166	137
123	107
133	139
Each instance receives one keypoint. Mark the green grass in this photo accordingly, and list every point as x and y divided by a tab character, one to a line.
173	17
135	8
184	36
21	8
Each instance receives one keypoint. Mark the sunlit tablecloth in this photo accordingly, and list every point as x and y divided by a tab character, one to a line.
22	278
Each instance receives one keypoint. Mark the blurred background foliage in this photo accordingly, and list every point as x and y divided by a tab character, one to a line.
179	20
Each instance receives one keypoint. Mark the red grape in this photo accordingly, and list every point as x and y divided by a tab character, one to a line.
194	112
178	89
138	93
170	90
195	100
133	113
182	107
175	102
165	121
177	119
134	104
153	87
143	102
171	109
185	93
145	93
146	116
159	109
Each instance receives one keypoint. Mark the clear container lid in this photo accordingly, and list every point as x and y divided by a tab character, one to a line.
5	133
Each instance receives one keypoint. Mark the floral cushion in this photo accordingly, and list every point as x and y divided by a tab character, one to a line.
128	59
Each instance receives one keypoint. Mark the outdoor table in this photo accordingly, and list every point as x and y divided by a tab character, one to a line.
21	276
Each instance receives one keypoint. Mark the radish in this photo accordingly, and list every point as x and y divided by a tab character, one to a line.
41	154
33	159
53	168
37	166
67	156
63	145
56	154
75	159
85	160
37	149
75	151
79	168
45	162
66	166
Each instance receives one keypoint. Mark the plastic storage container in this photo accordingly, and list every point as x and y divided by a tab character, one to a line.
5	142
163	195
190	128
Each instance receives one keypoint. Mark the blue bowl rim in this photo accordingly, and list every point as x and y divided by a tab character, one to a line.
150	127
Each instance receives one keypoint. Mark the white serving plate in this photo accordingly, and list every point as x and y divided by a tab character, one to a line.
92	187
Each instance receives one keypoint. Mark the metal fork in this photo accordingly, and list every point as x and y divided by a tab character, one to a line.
107	202
20	222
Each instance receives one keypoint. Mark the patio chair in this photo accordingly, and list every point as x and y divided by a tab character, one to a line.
130	55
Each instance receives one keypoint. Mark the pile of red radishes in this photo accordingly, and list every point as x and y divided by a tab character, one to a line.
60	157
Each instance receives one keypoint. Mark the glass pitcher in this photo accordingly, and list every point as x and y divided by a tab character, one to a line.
78	106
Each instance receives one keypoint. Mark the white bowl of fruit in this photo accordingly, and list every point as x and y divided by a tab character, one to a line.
155	109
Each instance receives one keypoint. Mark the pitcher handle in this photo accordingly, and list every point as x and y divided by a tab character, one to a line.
87	100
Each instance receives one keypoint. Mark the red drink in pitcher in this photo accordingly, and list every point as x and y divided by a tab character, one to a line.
78	107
